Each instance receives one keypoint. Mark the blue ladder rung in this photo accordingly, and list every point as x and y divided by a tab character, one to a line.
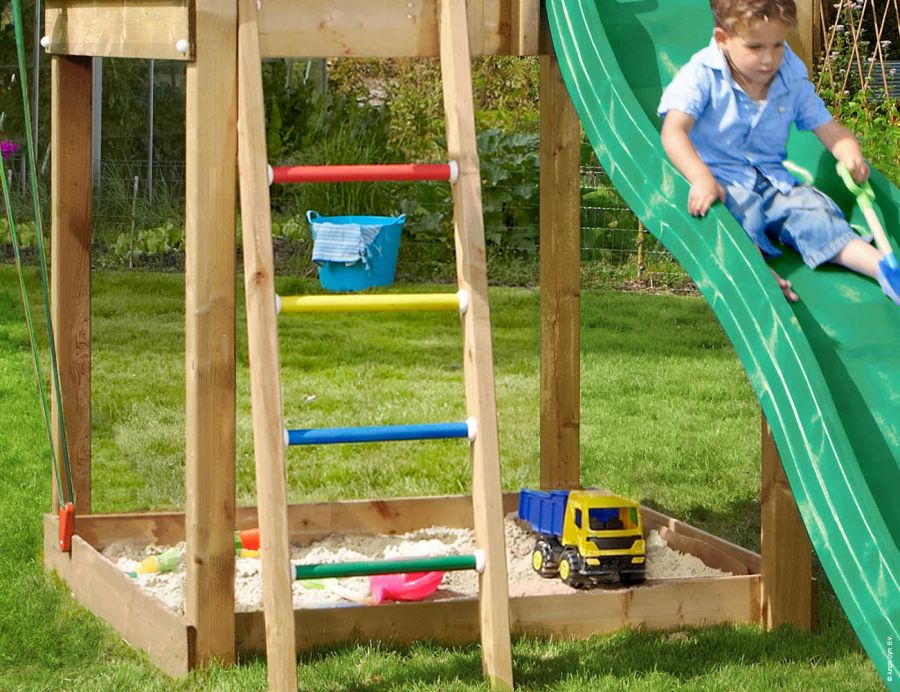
380	433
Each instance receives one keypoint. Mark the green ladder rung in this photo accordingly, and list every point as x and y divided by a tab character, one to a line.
445	563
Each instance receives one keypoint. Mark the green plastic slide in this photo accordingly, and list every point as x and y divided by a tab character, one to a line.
827	369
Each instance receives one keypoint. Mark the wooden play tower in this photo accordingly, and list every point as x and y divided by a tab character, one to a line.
204	34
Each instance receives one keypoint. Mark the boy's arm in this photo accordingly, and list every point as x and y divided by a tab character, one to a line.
845	147
705	189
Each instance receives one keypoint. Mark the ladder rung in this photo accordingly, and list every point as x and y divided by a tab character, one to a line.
379	433
408	302
364	568
364	173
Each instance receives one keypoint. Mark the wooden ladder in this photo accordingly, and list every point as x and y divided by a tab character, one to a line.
268	428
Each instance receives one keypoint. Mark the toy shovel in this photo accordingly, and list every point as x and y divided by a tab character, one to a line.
888	269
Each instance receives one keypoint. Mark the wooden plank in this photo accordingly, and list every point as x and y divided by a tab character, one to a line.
560	283
579	614
144	528
360	28
265	371
448	622
785	547
806	38
661	605
70	262
711	555
657	520
478	360
120	29
525	18
110	594
316	520
211	113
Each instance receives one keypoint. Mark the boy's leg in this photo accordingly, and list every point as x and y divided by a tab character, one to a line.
859	256
748	208
786	287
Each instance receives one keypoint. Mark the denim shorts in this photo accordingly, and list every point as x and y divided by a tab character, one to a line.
804	219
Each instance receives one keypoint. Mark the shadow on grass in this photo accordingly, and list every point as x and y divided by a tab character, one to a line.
678	657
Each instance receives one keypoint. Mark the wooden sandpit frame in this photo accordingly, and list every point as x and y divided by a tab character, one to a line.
170	639
774	588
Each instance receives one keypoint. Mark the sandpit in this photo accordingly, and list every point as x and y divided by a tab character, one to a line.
663	563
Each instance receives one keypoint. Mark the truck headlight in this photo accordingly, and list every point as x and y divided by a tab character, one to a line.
637	560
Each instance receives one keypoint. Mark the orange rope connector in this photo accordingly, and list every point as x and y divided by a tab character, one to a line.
66	526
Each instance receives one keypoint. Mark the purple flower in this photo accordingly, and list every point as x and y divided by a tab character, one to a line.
8	148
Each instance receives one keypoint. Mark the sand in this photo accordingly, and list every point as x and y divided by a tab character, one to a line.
662	563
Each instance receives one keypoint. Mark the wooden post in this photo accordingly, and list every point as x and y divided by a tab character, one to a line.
560	278
806	39
265	372
70	260
525	20
210	124
786	584
478	360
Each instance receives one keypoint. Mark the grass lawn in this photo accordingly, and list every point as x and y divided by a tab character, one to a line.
667	417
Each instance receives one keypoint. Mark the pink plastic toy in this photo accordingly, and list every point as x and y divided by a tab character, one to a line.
404	587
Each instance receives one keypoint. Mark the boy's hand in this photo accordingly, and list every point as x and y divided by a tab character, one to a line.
858	168
703	194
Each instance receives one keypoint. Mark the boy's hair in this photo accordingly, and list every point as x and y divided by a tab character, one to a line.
736	15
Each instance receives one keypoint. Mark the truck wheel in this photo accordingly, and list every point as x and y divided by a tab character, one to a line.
569	566
542	559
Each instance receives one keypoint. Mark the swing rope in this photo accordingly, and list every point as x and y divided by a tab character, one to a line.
67	495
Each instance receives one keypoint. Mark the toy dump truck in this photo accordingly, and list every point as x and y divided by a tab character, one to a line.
587	536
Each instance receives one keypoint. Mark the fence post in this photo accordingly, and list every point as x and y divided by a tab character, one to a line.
641	238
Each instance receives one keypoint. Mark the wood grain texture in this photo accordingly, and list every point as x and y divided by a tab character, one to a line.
70	263
265	371
121	29
560	279
787	594
478	360
112	595
210	181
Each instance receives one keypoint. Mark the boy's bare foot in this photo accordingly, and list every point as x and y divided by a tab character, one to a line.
786	288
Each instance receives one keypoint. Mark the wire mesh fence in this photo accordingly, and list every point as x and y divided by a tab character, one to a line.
139	173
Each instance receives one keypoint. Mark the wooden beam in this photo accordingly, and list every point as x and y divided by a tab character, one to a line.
660	605
211	108
560	280
525	16
806	38
70	262
478	359
388	29
110	594
786	593
265	371
121	29
579	614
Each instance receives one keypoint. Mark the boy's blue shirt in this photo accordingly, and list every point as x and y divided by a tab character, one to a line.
734	136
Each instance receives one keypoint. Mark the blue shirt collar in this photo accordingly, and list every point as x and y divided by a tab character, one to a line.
714	57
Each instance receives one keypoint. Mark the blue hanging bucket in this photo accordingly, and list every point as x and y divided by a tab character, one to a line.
354	253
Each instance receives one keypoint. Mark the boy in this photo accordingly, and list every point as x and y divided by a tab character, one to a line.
727	116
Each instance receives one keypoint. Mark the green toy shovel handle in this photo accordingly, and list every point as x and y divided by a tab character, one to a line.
864	196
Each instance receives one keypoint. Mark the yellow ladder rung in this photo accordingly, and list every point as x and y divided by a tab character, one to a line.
408	302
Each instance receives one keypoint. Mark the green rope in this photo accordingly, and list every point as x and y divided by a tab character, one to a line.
39	233
34	350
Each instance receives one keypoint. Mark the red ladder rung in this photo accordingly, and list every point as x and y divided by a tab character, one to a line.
364	173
